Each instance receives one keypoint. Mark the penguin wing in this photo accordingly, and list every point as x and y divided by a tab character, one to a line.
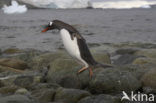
85	52
78	36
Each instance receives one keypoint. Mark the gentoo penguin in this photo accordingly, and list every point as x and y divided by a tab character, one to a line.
75	45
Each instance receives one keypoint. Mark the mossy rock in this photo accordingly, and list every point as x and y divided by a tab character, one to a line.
112	80
102	57
14	63
12	51
8	89
144	60
149	79
44	95
102	98
70	95
43	60
64	73
150	53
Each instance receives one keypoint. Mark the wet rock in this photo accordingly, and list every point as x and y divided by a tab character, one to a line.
8	89
16	99
150	53
44	95
12	51
70	95
112	80
14	63
149	79
43	60
102	98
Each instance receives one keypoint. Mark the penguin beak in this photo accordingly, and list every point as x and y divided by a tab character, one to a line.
46	29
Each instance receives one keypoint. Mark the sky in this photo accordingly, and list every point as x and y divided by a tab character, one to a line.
122	0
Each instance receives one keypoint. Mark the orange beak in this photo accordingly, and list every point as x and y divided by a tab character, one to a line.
46	29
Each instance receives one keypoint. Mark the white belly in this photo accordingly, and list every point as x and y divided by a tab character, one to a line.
71	45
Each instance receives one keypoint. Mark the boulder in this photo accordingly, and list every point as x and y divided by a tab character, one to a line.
15	99
8	89
22	91
144	60
70	95
102	98
150	53
149	79
2	2
64	73
13	63
43	60
12	51
102	57
113	80
44	95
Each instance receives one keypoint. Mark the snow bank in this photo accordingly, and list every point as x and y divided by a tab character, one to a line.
58	3
123	4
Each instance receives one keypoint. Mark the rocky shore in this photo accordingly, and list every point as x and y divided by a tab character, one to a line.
33	76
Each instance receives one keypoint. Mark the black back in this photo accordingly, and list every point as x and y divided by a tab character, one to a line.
84	50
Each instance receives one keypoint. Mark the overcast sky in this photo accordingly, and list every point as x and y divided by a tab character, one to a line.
121	0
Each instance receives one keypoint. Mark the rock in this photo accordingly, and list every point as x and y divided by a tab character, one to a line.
125	59
124	51
45	86
0	52
28	5
150	53
149	79
22	91
44	95
112	80
102	57
102	98
64	73
8	80
70	95
26	81
9	70
144	60
14	63
16	99
2	2
12	51
8	89
136	70
43	60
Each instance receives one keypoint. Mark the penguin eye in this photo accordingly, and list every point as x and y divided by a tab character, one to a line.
50	23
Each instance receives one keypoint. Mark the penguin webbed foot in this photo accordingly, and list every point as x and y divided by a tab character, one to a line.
85	68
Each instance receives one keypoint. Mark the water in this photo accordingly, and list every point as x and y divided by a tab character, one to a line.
97	26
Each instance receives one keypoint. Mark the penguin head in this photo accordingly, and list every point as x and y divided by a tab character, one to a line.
55	24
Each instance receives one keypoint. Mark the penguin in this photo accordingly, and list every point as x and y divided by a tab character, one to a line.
75	45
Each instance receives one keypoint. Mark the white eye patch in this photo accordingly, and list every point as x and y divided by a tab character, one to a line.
50	23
